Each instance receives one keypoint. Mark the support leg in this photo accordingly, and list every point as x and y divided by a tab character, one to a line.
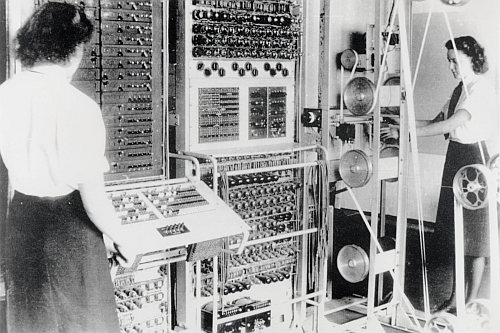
474	269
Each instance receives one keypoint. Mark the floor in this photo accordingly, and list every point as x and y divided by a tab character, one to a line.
439	259
439	269
439	274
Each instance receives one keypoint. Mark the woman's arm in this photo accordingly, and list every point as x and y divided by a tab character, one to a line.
432	127
445	126
101	212
438	118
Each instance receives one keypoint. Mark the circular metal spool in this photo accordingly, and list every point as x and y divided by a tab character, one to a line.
353	263
456	3
442	323
348	59
359	95
494	165
390	151
355	168
478	314
471	185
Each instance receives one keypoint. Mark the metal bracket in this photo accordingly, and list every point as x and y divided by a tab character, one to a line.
173	119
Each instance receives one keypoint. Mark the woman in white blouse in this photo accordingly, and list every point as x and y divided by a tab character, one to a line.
52	140
467	120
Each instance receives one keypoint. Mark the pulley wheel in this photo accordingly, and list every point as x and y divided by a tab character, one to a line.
348	59
494	165
456	3
478	314
442	323
359	95
389	151
353	263
392	81
471	185
355	168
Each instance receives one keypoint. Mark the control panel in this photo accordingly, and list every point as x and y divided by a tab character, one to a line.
142	292
172	213
166	218
269	202
245	29
122	70
238	67
142	301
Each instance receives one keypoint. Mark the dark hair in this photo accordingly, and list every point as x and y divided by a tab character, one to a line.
471	48
52	33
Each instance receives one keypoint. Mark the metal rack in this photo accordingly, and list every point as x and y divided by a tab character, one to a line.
300	296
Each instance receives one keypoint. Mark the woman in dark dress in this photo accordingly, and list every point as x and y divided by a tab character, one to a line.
52	141
467	120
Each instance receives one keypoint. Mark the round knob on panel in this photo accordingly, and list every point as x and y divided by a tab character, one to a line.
207	72
197	52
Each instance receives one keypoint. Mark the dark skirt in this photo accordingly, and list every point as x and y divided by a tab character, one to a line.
57	272
476	235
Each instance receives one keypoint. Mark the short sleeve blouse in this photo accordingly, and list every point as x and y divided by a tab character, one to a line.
480	103
52	136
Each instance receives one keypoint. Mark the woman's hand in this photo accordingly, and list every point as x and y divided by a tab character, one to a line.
121	247
390	132
125	254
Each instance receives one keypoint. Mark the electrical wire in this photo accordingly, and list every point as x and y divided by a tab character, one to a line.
318	178
224	186
223	257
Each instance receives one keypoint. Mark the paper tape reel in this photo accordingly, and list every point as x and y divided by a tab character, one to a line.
359	95
353	263
456	3
355	168
472	184
349	59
